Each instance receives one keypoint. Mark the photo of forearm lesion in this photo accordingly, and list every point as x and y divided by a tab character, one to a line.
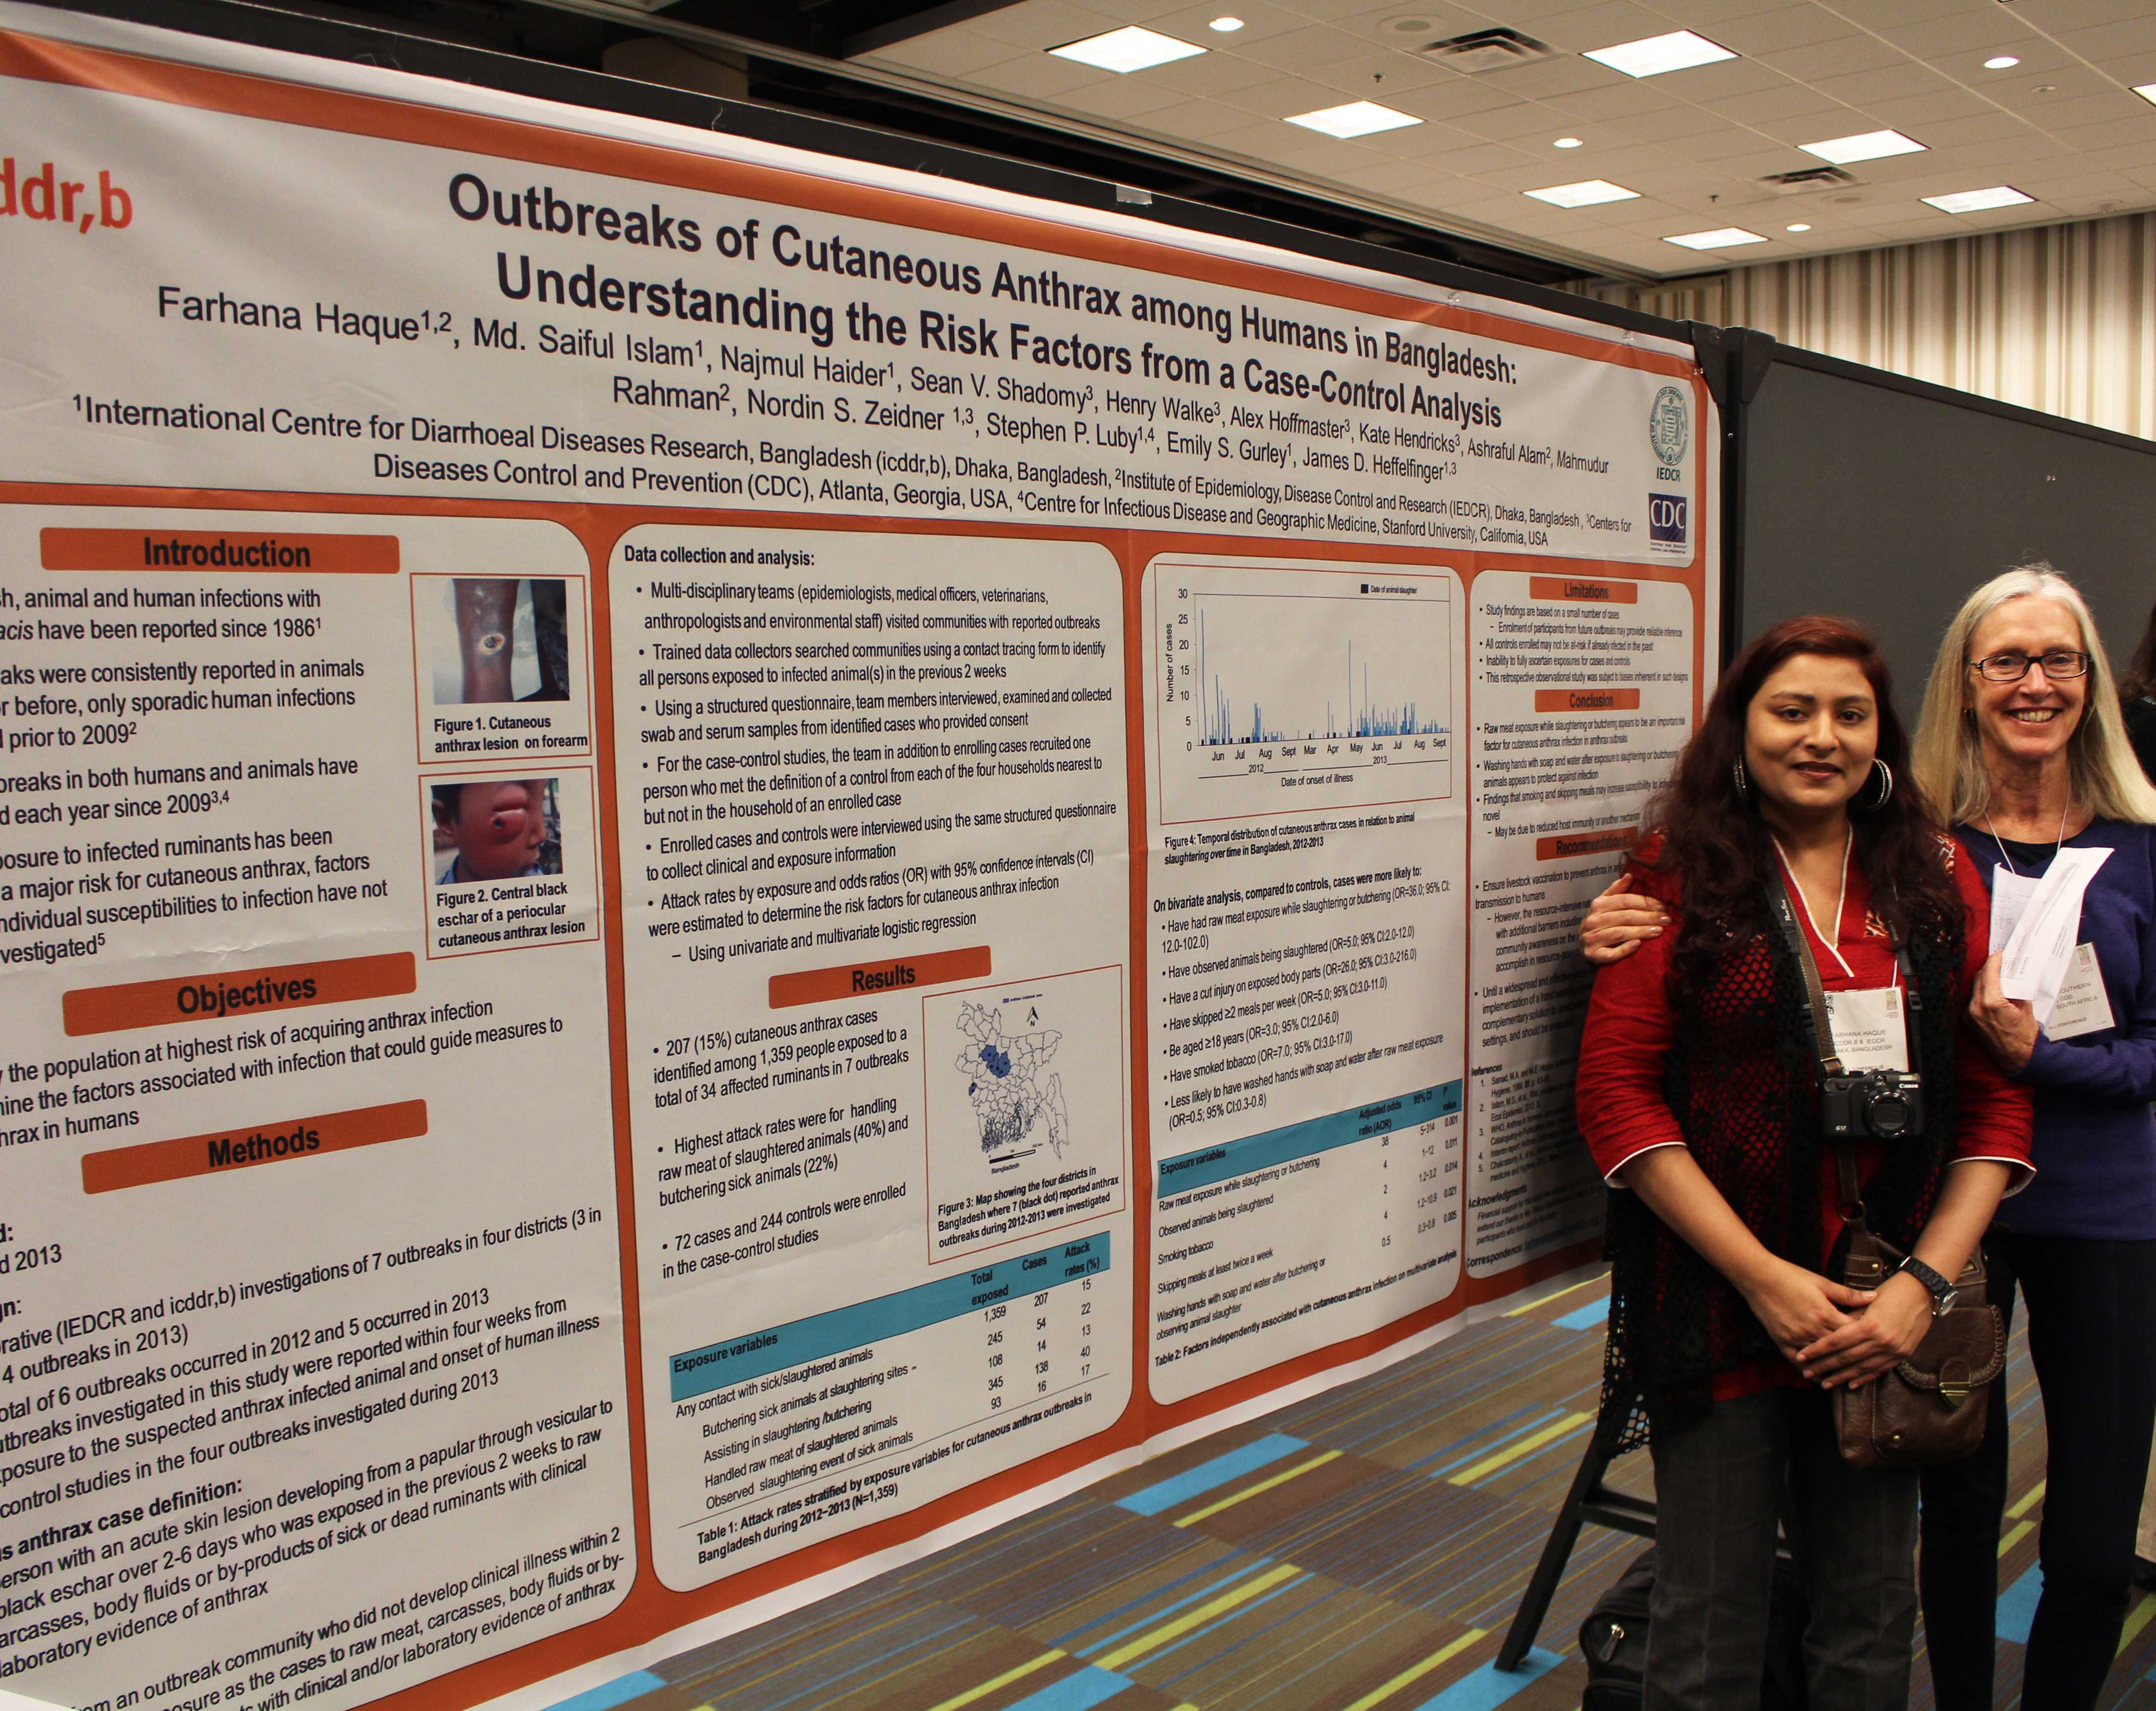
486	632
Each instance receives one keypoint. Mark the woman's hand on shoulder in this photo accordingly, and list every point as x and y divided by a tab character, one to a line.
1619	921
1800	1308
2007	1025
1887	1331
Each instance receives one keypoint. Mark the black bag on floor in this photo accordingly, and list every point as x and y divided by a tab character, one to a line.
1614	1642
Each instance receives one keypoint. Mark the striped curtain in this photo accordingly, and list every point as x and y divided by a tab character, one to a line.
2057	318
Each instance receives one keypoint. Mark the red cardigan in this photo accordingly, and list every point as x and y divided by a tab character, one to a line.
1630	1024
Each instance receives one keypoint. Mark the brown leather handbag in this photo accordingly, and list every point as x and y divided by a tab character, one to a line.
1931	1407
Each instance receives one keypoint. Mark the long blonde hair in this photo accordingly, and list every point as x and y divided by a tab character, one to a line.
1947	757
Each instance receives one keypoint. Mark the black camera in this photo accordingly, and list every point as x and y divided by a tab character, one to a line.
1886	1105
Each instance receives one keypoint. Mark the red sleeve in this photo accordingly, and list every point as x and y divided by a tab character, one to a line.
1630	1025
1994	1113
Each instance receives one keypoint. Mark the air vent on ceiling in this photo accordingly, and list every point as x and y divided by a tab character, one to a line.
1487	50
1807	179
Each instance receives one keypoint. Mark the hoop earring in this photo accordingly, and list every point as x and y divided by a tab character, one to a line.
1884	785
1743	784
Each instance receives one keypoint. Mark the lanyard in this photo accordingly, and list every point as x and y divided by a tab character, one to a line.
1831	941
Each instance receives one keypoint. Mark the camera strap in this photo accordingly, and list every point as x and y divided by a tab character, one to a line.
1821	1028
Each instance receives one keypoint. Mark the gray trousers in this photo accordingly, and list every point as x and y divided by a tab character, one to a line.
1720	1488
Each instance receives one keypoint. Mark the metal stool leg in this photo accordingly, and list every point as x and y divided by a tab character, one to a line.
1534	1604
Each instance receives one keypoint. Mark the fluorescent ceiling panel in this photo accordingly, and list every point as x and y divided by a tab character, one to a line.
1870	146
1652	55
1726	238
2147	91
1584	194
1126	50
1354	119
1962	201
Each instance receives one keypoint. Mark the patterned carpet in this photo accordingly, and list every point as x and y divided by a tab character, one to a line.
1363	1548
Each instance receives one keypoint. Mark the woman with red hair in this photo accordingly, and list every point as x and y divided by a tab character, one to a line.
1699	1092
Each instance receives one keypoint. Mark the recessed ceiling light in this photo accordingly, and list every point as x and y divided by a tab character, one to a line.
1799	227
1962	201
1353	119
1726	238
1567	143
1585	194
1652	55
1128	49
1870	146
2001	62
2147	91
1227	25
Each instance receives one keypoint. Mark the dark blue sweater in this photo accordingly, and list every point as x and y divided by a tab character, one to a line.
2095	1143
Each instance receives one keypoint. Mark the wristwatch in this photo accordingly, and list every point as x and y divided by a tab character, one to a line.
1942	1292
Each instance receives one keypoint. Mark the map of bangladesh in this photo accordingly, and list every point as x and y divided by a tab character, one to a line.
1013	1096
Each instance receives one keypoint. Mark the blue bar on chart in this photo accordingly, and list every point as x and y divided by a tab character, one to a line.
1300	1140
717	1365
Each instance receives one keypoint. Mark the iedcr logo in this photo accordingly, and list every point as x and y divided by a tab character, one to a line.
1665	518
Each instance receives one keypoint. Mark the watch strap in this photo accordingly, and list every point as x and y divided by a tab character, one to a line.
1941	1290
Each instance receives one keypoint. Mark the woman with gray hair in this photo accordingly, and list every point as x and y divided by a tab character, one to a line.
2022	747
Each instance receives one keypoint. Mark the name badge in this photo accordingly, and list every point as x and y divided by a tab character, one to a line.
2083	1006
1870	1032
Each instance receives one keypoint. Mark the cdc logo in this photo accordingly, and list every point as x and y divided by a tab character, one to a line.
1665	518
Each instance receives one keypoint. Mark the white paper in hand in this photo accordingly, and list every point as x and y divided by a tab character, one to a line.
2083	1006
2041	950
2010	893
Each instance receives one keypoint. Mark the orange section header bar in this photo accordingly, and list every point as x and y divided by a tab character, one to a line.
238	1149
1563	849
157	1003
1581	587
866	980
217	549
1587	701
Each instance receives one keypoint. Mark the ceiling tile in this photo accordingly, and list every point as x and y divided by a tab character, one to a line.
2110	41
1525	120
1197	121
1972	35
1671	123
1210	74
1625	101
1123	98
1860	89
1722	80
1915	115
1455	100
1042	24
1585	26
946	53
1842	56
1304	50
2056	17
1041	76
1992	126
1792	101
1188	21
1482	157
1780	30
1557	80
1887	15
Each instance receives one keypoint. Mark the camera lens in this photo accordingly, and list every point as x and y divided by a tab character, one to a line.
1886	1113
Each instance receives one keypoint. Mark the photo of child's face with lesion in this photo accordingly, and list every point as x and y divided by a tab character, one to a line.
495	828
503	636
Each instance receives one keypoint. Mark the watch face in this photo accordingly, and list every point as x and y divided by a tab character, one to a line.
1944	1303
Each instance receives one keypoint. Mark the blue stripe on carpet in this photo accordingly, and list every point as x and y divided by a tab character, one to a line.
607	1694
1194	1481
2017	1605
1489	1687
1080	1692
1585	1318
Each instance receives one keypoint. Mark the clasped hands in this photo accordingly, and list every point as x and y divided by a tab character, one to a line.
1835	1335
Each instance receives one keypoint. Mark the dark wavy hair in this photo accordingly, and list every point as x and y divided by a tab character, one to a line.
1718	846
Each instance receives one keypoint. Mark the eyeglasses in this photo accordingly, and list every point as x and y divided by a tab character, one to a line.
2012	668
